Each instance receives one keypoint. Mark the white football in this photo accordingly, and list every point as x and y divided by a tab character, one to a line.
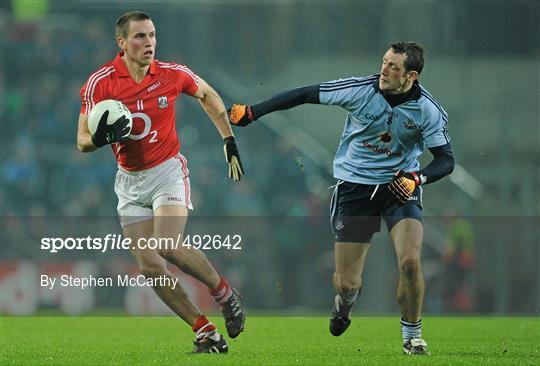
116	110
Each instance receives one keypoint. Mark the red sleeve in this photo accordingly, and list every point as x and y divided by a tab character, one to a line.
92	92
187	82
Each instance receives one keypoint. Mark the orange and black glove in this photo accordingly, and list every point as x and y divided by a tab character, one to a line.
240	115
403	185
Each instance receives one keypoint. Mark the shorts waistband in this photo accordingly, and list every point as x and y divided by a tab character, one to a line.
149	170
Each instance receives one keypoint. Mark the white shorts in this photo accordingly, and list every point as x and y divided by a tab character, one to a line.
141	192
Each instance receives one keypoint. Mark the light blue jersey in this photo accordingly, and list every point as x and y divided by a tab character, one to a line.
379	140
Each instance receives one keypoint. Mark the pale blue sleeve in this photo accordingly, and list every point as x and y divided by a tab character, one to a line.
434	130
346	93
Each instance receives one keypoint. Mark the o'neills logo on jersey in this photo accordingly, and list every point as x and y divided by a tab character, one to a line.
162	102
153	86
381	150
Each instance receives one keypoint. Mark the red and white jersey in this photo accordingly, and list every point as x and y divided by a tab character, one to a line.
153	138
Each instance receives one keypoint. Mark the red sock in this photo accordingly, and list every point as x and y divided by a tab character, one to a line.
203	325
222	292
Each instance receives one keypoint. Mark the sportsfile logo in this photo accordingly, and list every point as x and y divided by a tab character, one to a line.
112	242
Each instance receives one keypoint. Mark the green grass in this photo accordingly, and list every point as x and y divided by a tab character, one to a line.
266	341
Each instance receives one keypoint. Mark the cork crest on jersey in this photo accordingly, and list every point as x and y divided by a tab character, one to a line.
162	102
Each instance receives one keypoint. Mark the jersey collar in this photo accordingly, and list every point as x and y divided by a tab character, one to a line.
395	99
122	70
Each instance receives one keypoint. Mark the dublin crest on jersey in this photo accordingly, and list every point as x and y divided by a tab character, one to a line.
162	102
409	124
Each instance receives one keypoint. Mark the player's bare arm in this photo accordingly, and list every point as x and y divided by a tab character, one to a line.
214	107
84	137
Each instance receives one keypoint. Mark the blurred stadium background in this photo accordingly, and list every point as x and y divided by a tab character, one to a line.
482	224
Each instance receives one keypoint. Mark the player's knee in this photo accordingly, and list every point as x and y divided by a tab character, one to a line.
409	265
152	269
168	253
346	284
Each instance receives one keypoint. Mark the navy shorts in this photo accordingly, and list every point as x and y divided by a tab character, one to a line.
356	210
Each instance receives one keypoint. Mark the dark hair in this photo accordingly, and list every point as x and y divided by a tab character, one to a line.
122	23
414	52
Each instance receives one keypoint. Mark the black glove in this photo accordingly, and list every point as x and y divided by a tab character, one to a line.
108	134
403	185
240	115
233	158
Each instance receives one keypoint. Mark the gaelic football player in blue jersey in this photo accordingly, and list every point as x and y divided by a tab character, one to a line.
390	120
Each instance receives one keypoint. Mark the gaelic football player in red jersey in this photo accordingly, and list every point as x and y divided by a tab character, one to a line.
152	182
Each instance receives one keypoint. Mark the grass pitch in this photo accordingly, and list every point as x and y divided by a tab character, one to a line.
266	341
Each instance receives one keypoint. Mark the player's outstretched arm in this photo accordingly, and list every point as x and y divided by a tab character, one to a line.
243	115
214	107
